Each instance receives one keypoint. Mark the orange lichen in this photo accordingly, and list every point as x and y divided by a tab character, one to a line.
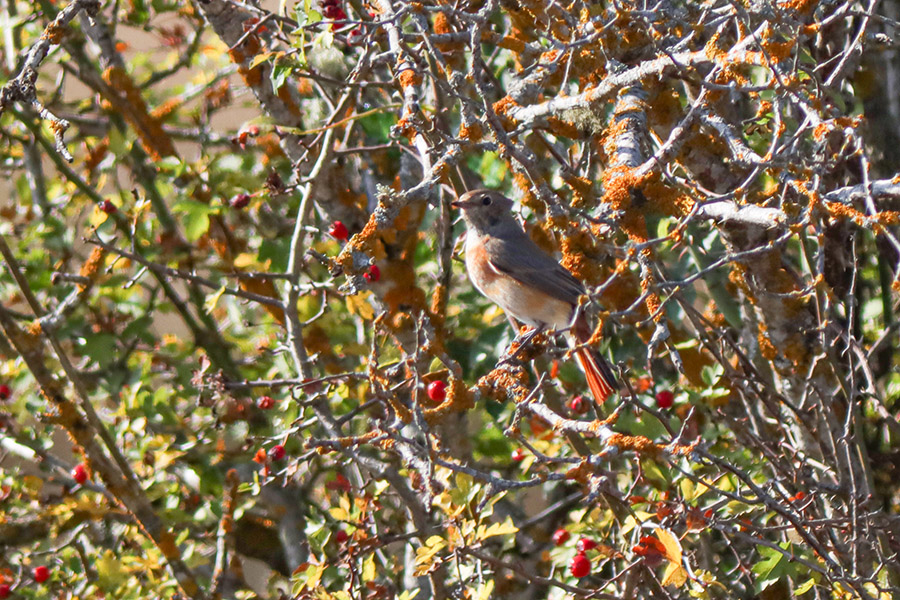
503	105
407	76
563	128
166	108
618	184
458	400
501	382
511	43
638	443
471	131
91	268
578	250
765	344
666	198
583	189
801	6
581	473
127	99
53	33
442	24
713	50
877	221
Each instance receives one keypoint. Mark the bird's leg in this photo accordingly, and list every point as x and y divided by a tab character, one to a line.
525	340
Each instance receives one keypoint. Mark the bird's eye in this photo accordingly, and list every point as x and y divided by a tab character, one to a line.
485	200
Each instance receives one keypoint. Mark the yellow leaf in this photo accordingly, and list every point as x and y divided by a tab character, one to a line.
504	528
687	490
369	570
314	576
109	570
804	587
358	304
484	590
425	554
98	217
339	513
212	299
245	260
674	575
672	545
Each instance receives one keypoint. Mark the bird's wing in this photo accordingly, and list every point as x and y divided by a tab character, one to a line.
518	256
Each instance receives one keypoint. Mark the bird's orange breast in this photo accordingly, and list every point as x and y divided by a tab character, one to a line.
523	302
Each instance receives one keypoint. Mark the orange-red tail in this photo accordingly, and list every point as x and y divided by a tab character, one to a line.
599	375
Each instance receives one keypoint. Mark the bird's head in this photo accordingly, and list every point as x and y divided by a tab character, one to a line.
484	209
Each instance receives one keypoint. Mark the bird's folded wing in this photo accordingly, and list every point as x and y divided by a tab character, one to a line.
526	262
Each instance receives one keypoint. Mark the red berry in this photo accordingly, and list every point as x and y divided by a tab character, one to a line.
5	392
277	452
340	483
41	574
585	544
560	536
5	591
578	405
265	403
80	474
518	455
580	565
355	36
664	399
341	536
240	201
373	274
330	10
437	391
338	231
260	456
108	207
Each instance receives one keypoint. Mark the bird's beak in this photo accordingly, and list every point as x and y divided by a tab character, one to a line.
461	204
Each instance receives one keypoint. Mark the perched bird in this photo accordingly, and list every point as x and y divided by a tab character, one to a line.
505	265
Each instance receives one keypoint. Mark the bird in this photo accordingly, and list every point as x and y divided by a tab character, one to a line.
507	267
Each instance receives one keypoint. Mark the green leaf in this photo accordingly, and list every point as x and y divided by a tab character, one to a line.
281	70
100	348
196	217
772	567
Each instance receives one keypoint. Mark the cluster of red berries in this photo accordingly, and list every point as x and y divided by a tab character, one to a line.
373	274
5	392
580	565
275	453
332	10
